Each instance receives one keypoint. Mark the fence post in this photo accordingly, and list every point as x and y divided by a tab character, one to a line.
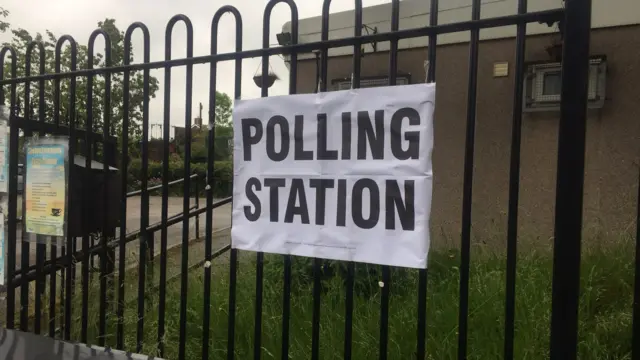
109	253
197	190
570	181
152	249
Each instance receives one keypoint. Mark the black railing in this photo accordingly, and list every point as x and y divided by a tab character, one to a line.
575	21
97	250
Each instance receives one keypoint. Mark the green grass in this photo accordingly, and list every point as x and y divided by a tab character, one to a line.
605	309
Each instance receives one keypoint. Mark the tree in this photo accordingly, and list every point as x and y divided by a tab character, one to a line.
223	109
200	140
223	132
21	39
3	24
224	127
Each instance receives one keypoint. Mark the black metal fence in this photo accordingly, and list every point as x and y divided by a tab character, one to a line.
575	20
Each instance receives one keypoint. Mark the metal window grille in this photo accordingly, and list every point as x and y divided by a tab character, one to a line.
538	100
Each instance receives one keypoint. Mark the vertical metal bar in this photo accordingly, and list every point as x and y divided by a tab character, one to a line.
233	262
260	256
635	337
40	258
72	150
348	320
570	180
423	273
351	266
24	267
40	247
257	322
422	313
53	250
293	77
257	333
197	200
63	273
93	243
184	275
123	173
60	242
467	185
210	181
231	322
13	184
315	320
150	241
71	242
514	186
74	268
357	56
384	312
56	86
165	199
53	253
386	272
106	261
25	241
26	248
87	193
144	195
433	41
286	303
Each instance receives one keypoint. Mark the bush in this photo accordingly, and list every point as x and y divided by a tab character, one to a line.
222	182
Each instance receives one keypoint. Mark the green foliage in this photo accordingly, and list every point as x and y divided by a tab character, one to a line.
223	109
3	15
605	314
221	183
223	132
199	147
21	39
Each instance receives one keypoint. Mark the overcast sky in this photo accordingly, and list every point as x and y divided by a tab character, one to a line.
80	17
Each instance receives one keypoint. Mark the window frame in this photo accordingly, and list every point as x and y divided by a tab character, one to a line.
536	100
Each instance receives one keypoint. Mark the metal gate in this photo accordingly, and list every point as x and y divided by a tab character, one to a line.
575	19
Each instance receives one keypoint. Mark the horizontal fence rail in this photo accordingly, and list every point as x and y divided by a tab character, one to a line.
547	16
89	125
62	262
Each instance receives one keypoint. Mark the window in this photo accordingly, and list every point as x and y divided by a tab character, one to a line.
551	83
345	84
543	85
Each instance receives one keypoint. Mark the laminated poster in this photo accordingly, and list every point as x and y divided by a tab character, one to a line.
45	189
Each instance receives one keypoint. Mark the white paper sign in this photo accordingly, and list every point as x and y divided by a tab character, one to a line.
342	175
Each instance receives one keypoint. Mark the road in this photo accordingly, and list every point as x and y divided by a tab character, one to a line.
221	220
